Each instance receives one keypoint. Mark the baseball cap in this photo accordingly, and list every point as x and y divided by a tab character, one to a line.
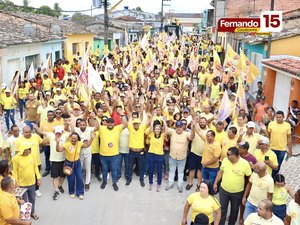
234	94
201	219
58	89
136	121
48	93
244	144
179	123
250	124
7	90
186	109
263	97
3	85
265	140
110	120
58	129
221	93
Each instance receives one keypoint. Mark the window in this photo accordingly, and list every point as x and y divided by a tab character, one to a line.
86	46
57	55
75	48
32	58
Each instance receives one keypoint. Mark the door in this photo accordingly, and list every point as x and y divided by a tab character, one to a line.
12	66
282	92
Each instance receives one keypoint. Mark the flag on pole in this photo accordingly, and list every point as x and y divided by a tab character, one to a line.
225	108
232	61
218	69
15	83
250	71
46	67
31	72
240	100
192	62
126	37
94	81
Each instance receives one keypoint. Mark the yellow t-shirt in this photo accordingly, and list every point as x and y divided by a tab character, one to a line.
35	141
209	78
279	196
22	93
25	169
109	140
9	207
95	146
47	83
260	188
226	144
252	140
203	205
8	102
260	157
278	135
233	180
202	78
211	150
156	144
136	137
198	144
219	135
72	152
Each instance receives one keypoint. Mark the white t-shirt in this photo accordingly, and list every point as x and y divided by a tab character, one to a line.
85	136
293	210
123	141
11	142
254	218
54	155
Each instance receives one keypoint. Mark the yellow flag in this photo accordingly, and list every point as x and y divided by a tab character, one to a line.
250	71
217	64
233	62
240	100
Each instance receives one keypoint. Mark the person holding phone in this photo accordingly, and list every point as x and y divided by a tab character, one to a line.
266	155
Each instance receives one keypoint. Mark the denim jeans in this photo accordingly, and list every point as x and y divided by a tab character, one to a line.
9	114
75	180
123	157
132	157
109	162
96	161
86	163
29	124
210	174
166	161
279	211
46	150
22	106
179	164
235	200
280	156
145	163
249	208
29	196
155	162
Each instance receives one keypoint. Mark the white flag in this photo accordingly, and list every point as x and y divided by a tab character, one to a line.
94	81
31	72
225	108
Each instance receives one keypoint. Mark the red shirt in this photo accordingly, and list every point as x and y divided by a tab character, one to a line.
60	73
117	118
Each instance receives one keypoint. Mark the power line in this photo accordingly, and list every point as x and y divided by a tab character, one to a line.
63	11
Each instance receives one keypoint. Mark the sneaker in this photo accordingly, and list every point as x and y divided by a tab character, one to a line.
179	189
81	197
72	196
176	178
46	173
99	178
158	188
103	185
56	195
115	186
87	187
169	187
150	187
38	193
197	188
61	189
128	182
188	187
142	183
185	178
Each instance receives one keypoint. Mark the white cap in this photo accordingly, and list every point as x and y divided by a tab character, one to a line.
265	140
7	90
250	124
58	129
58	89
3	86
48	93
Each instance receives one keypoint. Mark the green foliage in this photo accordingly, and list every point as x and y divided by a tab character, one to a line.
81	18
45	10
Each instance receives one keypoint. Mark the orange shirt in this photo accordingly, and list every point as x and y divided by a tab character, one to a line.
260	111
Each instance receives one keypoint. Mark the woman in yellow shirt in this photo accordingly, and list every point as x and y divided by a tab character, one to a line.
156	152
281	191
22	95
203	202
72	149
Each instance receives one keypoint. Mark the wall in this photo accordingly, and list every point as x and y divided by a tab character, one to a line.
286	46
269	81
294	95
100	43
81	39
14	58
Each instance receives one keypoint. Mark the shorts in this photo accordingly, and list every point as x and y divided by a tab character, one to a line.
57	169
194	162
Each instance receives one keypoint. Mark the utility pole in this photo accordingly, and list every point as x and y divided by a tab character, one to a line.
162	14
106	22
215	21
270	36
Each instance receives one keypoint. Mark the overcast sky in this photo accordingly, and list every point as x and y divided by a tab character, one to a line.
154	6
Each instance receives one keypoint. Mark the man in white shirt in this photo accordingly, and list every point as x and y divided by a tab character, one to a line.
264	216
293	211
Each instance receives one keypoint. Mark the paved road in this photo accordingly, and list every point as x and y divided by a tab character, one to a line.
131	205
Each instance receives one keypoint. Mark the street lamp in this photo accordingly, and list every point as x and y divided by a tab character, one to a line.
162	13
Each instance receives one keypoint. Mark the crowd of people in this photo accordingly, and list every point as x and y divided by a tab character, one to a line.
157	115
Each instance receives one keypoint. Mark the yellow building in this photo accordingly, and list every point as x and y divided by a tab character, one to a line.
77	43
286	46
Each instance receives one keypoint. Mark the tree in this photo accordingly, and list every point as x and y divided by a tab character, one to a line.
26	7
57	10
139	9
25	3
81	18
46	10
7	5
